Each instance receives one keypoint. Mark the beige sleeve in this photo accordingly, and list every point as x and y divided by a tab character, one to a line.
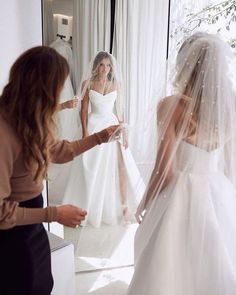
64	151
8	153
10	214
35	215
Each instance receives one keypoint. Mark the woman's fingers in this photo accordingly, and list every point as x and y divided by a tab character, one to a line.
70	215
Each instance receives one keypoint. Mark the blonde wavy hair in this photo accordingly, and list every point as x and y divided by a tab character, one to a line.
186	92
97	60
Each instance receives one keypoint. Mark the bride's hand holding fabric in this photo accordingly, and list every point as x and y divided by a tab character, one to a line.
139	215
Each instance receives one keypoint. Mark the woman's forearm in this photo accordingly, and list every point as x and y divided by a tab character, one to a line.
64	151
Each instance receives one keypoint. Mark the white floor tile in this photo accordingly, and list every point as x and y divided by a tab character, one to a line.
105	247
103	258
106	282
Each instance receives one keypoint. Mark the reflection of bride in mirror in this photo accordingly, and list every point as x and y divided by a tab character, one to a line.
106	181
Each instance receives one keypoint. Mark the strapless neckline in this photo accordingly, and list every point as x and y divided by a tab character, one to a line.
199	148
101	93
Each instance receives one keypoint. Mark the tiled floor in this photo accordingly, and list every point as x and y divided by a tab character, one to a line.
103	258
104	282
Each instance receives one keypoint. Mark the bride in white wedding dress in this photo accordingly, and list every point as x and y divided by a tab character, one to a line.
186	241
104	181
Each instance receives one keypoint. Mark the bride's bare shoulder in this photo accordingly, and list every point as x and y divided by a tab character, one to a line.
167	103
171	105
86	83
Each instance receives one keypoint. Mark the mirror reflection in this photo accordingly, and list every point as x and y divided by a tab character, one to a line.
106	181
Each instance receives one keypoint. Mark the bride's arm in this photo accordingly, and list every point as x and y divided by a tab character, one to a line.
162	172
118	103
120	115
84	114
163	169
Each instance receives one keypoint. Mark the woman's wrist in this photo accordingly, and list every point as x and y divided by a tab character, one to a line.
51	214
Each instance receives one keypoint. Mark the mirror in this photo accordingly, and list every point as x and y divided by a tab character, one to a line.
105	180
106	245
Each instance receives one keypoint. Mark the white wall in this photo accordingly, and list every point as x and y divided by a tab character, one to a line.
20	29
63	7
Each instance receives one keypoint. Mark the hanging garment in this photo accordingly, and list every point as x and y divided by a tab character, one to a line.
68	127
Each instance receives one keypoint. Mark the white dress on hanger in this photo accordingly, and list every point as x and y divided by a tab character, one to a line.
94	176
186	242
67	127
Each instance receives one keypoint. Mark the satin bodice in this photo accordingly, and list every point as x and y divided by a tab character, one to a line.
102	104
196	160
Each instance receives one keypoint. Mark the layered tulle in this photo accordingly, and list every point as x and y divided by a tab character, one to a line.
186	242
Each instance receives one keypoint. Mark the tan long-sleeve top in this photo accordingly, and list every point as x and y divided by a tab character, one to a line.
16	183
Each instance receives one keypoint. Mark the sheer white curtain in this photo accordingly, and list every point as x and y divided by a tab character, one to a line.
140	44
91	32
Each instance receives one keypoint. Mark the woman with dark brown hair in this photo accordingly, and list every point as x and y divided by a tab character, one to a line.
27	107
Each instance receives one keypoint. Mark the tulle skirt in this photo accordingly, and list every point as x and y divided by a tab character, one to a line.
187	240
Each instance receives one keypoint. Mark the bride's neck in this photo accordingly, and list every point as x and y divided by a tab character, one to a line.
102	79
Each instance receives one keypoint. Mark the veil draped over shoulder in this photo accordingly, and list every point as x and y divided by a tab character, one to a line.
202	113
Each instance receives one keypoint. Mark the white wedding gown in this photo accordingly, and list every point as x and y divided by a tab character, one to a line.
94	176
187	240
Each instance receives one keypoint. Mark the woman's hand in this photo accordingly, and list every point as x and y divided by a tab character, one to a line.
110	133
140	216
141	210
110	130
69	104
70	215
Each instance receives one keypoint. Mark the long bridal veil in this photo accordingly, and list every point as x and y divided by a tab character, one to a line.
204	103
186	240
